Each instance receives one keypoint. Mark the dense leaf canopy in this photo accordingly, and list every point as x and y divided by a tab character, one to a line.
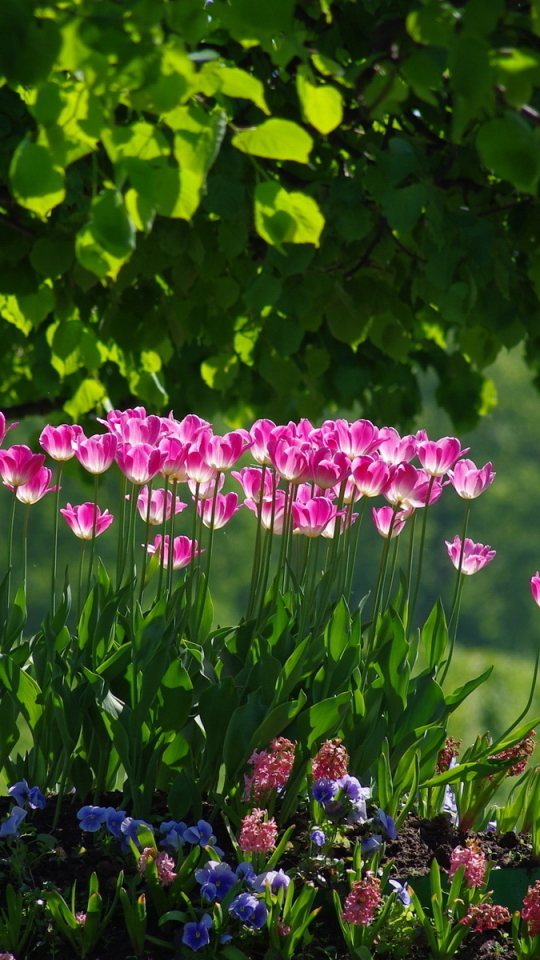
266	207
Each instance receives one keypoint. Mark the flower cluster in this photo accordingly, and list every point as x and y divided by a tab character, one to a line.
257	835
363	900
164	865
486	916
520	751
174	833
531	909
22	794
449	752
271	769
474	861
331	761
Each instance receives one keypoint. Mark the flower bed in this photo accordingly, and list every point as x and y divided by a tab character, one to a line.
265	790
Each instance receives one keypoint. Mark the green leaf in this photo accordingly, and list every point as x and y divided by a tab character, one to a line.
52	258
402	207
282	217
510	150
111	226
36	181
140	140
233	82
275	139
322	106
220	371
85	398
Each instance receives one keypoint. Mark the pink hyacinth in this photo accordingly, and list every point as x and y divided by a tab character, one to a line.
363	900
257	835
312	517
157	507
383	517
531	909
252	483
184	550
331	762
370	476
217	512
146	856
221	453
437	456
18	465
535	587
271	512
58	441
84	518
96	453
271	769
486	916
474	861
36	488
468	481
140	462
475	555
165	869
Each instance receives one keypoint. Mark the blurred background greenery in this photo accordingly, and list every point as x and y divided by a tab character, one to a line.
499	622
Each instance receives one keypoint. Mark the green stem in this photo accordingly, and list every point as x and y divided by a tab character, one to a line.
60	794
204	591
25	545
457	590
163	532
410	558
93	541
420	555
81	565
55	536
146	539
388	590
10	545
379	588
121	545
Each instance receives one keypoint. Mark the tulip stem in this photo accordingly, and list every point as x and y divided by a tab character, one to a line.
55	536
163	532
10	547
147	538
81	564
121	552
25	545
420	557
93	541
204	589
457	588
379	588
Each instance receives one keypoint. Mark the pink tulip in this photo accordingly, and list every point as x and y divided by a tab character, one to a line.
437	456
401	483
36	488
475	555
4	429
355	439
382	518
312	517
95	453
394	449
160	507
183	552
58	442
135	430
225	507
270	511
251	481
188	430
327	470
207	490
370	476
140	463
468	481
221	453
346	521
351	493
18	465
174	465
198	469
535	587
261	433
290	461
84	518
419	495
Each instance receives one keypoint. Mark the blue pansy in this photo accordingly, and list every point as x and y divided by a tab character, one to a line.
401	891
195	935
114	820
275	878
258	917
245	871
243	906
22	794
387	823
129	828
10	827
318	837
372	843
217	875
173	831
91	818
36	799
324	790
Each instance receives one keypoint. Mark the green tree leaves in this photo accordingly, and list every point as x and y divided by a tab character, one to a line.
282	217
37	183
276	140
509	148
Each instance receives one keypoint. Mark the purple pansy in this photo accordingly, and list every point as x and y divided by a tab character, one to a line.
216	879
10	827
324	790
196	935
91	818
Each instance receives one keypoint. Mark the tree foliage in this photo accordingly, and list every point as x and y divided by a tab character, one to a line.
266	207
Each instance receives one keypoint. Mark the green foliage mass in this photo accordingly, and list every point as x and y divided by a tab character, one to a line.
266	207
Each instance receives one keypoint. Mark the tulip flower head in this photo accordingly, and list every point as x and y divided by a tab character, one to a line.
157	507
85	519
183	552
313	517
59	442
139	462
219	510
4	429
36	488
18	465
475	555
535	587
370	476
383	517
95	453
468	481
437	456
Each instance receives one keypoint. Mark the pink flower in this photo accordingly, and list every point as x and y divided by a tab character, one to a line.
382	518
520	751
207	490
312	517
257	835
18	465
290	460
134	430
486	916
174	465
140	462
36	488
468	481
272	514
535	587
271	769
223	508
473	859
184	550
160	507
346	520
3	431
531	909
363	900
165	868
261	433
401	483
370	476
419	494
437	456
198	469
394	449
221	453
475	555
327	470
331	762
84	518
58	441
251	481
187	430
95	453
355	439
146	856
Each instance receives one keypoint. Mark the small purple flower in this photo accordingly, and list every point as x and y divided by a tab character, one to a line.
209	891
114	820
36	799
10	827
245	871
275	878
195	935
243	906
201	834
387	823
358	812
401	891
224	938
174	834
352	787
324	790
217	875
372	843
20	792
258	917
129	828
318	837
91	818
